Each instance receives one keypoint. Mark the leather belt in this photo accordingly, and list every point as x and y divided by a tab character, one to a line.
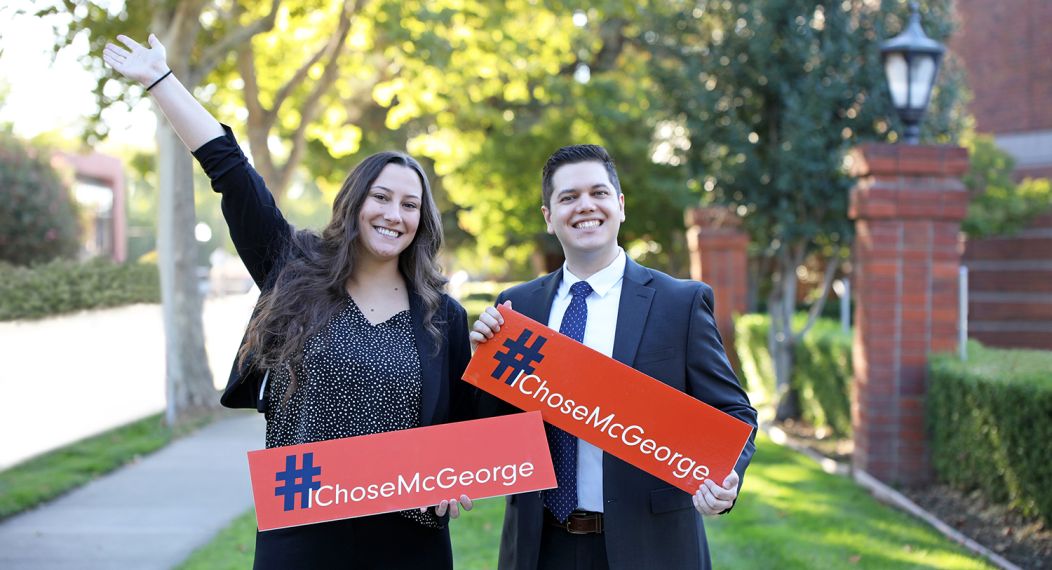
579	522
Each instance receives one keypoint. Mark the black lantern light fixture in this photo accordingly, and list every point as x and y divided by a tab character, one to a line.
911	63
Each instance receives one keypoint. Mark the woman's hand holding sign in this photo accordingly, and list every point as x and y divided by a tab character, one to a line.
712	499
487	325
454	506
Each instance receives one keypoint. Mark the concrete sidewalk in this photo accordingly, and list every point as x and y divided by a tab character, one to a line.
111	371
150	514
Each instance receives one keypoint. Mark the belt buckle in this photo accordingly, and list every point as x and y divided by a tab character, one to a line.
595	519
571	530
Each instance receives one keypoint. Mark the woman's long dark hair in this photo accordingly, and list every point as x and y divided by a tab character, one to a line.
311	285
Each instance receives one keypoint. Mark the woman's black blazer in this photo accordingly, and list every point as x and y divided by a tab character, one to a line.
261	236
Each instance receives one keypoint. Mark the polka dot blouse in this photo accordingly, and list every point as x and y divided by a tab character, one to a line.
355	379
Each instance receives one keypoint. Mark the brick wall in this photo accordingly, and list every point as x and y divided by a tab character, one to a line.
1010	287
1006	46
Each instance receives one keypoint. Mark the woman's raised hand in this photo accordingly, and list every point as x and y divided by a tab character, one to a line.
138	62
192	122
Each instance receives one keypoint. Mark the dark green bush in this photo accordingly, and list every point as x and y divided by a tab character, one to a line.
64	286
757	370
475	296
990	420
38	220
821	376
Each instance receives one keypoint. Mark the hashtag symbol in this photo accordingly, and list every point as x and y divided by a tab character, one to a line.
520	357
297	481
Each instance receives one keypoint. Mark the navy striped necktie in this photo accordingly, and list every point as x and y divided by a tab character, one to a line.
562	501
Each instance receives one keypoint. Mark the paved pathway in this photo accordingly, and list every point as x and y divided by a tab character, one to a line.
150	514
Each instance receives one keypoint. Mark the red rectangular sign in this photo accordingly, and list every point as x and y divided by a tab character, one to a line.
398	470
622	411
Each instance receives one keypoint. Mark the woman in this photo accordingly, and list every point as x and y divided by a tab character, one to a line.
351	335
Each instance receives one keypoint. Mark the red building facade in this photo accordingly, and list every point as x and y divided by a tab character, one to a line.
1005	47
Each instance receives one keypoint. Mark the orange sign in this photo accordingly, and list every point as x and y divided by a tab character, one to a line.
399	470
622	411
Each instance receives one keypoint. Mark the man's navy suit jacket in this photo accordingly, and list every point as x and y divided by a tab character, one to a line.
665	329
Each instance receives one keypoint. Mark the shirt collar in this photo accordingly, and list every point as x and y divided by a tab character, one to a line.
601	281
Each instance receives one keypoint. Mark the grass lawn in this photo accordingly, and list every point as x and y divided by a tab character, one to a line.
231	549
476	535
49	475
792	515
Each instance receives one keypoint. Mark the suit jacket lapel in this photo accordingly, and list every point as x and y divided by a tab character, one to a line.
430	361
632	312
539	302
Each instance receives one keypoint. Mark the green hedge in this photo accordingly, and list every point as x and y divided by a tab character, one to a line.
757	369
990	420
475	296
821	376
64	286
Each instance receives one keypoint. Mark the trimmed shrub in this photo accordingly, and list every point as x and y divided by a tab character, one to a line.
990	420
38	220
475	296
757	369
821	375
64	286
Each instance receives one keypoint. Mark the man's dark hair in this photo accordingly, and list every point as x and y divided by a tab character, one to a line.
574	154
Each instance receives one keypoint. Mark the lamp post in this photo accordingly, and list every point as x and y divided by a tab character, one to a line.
911	63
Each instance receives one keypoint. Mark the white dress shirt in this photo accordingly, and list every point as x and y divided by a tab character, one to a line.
598	335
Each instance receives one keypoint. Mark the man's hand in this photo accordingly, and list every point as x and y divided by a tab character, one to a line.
138	63
486	326
712	499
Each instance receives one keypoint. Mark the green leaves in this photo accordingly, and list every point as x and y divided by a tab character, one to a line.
999	205
989	424
821	376
746	104
38	218
775	94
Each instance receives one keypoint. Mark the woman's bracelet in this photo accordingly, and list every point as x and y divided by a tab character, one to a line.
159	79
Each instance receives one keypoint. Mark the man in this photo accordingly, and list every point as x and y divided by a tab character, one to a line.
607	513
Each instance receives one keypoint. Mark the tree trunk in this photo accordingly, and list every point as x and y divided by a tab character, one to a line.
189	384
788	405
780	345
781	340
189	388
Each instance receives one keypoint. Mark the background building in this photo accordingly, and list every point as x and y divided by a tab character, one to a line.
99	190
1007	52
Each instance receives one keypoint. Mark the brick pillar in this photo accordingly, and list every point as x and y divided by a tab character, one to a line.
718	256
907	205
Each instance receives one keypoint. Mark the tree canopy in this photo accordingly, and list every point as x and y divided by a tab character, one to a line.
746	104
772	95
751	105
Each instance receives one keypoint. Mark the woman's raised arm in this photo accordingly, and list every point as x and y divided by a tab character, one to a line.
148	66
258	229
